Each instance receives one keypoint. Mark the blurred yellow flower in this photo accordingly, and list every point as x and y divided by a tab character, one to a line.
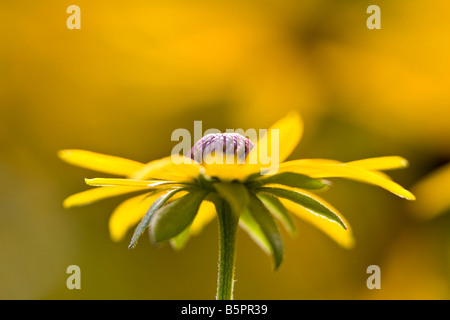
433	194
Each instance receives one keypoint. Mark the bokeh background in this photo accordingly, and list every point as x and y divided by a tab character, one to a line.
137	70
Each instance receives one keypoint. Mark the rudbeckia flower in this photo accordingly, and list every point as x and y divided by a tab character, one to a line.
177	200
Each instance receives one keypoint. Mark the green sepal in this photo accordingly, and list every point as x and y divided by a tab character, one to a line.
249	225
206	182
178	242
142	226
268	227
290	179
279	212
305	201
236	194
172	219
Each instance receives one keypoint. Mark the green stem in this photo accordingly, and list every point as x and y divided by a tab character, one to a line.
228	226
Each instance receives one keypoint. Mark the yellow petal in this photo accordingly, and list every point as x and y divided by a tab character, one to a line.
290	131
330	170
128	214
335	231
380	163
102	182
230	172
166	169
96	194
206	213
372	164
100	162
433	194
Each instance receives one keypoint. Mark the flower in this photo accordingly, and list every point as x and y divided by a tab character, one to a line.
433	194
178	199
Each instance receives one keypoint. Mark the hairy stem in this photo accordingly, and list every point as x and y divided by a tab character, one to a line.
228	226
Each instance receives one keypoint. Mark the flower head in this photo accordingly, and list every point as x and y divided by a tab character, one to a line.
233	144
177	200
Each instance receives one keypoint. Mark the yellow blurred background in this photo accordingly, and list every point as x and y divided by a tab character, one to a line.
137	70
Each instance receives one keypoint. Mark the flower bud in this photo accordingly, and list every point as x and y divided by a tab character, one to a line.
228	144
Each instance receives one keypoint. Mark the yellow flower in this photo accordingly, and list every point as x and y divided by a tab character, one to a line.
178	200
433	193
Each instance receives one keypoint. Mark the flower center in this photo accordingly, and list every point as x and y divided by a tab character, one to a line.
224	143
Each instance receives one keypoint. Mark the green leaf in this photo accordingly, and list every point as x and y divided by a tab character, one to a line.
305	201
290	179
279	211
235	194
268	227
172	219
148	216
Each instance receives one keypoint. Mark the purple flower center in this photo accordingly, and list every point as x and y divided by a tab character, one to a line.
223	143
